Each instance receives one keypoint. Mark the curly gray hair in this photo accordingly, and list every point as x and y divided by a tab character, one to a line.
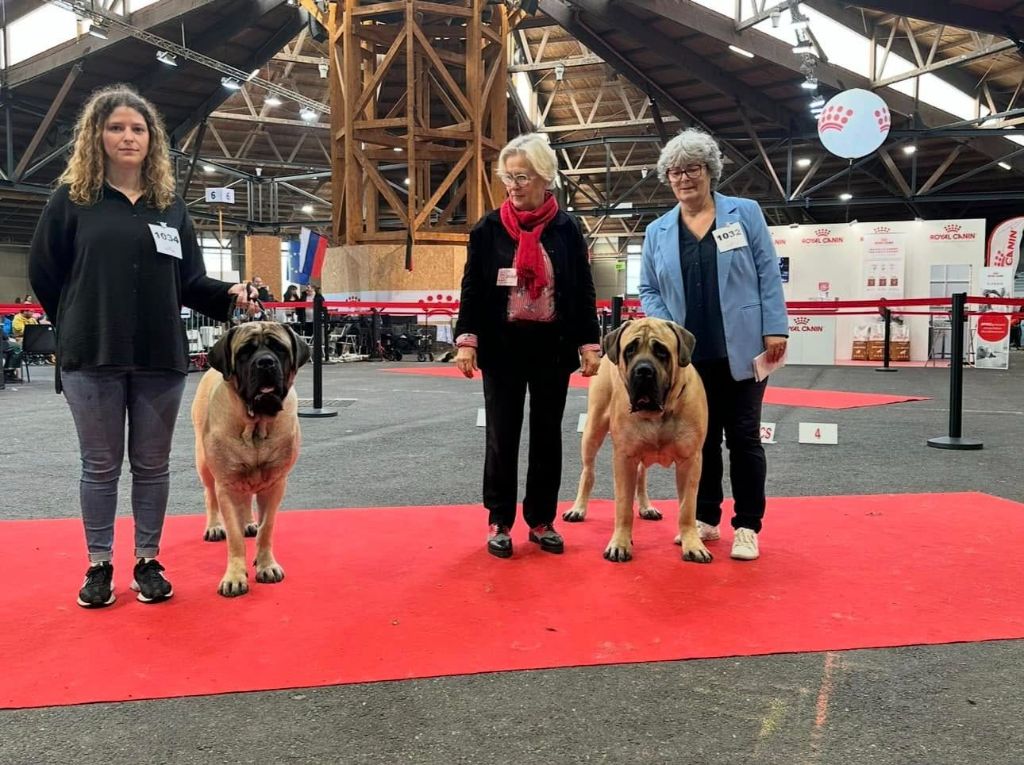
692	146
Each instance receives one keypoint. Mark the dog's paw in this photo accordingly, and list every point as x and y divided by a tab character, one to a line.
271	574
574	514
697	555
215	534
650	513
618	552
251	529
232	587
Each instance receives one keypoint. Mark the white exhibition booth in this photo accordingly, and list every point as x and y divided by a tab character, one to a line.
858	261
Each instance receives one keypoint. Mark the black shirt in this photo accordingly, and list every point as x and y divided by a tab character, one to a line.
116	300
699	263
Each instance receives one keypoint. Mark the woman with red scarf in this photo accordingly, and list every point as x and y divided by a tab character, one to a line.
527	320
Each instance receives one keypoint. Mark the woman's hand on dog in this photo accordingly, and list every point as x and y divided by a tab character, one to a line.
465	360
590	362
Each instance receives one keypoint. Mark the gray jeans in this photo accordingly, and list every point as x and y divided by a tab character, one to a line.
99	399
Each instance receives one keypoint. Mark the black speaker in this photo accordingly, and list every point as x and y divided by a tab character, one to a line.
317	30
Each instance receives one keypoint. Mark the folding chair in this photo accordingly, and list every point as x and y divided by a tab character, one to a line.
38	342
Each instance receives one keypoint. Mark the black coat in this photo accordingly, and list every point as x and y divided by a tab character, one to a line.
483	309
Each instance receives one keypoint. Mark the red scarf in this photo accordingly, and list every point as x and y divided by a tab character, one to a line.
525	227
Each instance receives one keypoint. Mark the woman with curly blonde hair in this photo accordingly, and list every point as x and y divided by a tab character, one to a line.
113	259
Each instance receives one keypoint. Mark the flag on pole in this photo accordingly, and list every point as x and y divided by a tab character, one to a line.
312	249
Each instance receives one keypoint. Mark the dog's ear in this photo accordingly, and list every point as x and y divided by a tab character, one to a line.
610	343
300	351
686	343
220	355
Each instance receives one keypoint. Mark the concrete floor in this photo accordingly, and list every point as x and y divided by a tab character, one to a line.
409	440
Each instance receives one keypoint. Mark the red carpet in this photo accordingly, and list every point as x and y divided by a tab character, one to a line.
815	399
836	573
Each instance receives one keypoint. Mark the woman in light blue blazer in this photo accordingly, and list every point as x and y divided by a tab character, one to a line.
710	265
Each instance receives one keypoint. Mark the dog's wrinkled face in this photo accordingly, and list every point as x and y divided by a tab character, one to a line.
260	358
649	353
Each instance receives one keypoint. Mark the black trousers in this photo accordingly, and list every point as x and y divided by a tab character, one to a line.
734	408
505	392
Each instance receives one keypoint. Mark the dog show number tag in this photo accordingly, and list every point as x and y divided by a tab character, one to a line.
730	237
507	277
166	239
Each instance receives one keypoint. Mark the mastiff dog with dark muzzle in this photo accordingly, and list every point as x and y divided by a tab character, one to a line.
246	423
651	399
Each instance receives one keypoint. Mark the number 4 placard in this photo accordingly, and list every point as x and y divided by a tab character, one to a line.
767	432
819	433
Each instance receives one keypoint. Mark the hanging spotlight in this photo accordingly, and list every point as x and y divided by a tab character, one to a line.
846	196
559	71
209	169
323	67
98	29
909	148
817	102
803	162
230	83
740	52
166	57
803	46
811	83
308	209
308	114
272	100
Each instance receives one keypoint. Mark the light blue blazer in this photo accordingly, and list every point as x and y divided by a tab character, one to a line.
749	282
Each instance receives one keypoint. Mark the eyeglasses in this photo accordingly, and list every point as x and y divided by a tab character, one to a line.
693	172
515	180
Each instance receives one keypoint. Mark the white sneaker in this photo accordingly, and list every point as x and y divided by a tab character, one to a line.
708	533
744	545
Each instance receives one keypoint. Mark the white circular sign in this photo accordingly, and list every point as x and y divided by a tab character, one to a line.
854	123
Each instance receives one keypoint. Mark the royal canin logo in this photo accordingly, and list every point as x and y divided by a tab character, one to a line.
953	232
803	324
883	119
834	118
780	242
881	230
822	236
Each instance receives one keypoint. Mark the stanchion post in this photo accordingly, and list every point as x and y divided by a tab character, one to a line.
318	364
887	315
956	384
617	301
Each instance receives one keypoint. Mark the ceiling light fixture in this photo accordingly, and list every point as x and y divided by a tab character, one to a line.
253	74
307	114
308	209
817	102
559	71
209	169
271	100
909	148
803	162
846	196
165	57
741	52
1006	166
230	83
98	29
811	83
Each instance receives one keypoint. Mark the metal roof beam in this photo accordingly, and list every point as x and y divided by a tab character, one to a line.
696	65
68	52
720	27
947	13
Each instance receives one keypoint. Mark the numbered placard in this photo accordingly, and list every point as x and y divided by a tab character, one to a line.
481	417
581	423
768	433
222	196
819	433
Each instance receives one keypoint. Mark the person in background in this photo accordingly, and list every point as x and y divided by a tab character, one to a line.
709	264
113	259
265	295
527	317
22	319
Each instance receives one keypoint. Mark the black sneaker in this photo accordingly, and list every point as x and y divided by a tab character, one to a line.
548	539
150	583
98	588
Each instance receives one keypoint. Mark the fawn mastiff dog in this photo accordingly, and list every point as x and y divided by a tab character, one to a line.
652	401
247	440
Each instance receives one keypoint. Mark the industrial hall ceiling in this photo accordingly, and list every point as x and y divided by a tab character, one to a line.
608	80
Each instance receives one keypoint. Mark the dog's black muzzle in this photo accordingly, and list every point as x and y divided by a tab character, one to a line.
264	384
645	395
